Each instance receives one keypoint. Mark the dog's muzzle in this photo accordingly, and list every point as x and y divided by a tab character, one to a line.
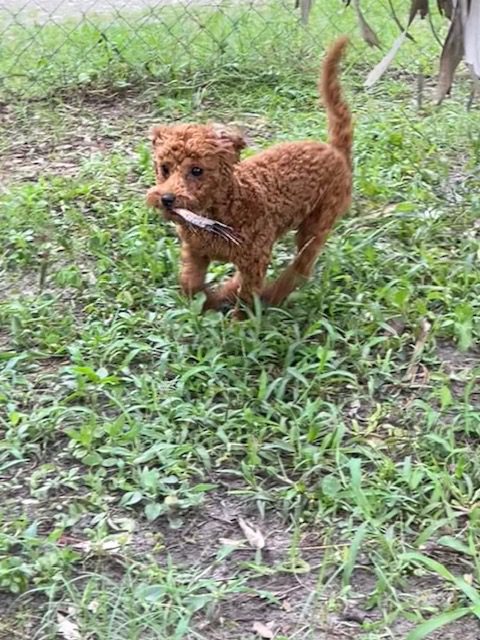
168	200
153	197
164	202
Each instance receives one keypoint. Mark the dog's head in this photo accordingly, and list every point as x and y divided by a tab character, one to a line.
193	166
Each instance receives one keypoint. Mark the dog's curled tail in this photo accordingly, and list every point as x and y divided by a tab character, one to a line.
340	128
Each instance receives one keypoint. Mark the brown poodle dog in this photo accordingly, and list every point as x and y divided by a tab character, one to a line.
304	186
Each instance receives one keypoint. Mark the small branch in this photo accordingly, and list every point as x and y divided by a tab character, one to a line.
433	30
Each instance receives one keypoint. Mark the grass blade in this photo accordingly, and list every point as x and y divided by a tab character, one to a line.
436	567
437	622
352	554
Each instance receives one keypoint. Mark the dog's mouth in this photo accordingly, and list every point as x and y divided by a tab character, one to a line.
196	222
167	212
193	221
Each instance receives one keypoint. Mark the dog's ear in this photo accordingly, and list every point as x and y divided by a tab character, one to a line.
157	133
230	136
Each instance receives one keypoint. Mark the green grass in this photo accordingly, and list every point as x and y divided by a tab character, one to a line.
188	44
344	426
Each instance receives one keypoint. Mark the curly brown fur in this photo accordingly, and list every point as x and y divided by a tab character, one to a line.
303	186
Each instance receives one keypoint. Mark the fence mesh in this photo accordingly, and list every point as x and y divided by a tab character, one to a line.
49	45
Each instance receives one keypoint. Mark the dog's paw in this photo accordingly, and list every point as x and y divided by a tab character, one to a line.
239	314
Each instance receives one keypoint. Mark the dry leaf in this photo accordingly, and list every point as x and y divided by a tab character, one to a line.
449	60
375	442
419	374
263	630
472	38
354	408
122	524
475	92
305	9
114	542
417	6
354	614
425	327
397	21
67	629
110	544
93	606
446	8
230	542
254	536
452	53
377	72
368	34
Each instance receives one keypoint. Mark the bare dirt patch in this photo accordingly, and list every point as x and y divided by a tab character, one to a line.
289	603
290	583
463	368
56	140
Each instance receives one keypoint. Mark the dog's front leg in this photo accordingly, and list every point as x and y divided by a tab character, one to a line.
193	270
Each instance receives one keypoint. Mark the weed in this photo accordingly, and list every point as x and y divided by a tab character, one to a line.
344	426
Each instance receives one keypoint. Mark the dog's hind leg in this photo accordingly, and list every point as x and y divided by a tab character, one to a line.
311	237
225	294
251	284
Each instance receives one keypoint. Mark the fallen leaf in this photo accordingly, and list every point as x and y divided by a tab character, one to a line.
446	8
354	614
471	31
418	6
452	53
67	629
397	21
425	327
377	72
230	542
254	536
109	544
376	442
368	34
354	408
114	542
305	9
263	630
122	524
93	606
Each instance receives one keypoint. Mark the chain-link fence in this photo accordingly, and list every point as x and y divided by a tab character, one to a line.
47	46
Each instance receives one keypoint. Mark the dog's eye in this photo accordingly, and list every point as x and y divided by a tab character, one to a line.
165	170
196	171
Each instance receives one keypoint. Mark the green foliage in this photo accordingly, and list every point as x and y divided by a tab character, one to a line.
192	44
351	414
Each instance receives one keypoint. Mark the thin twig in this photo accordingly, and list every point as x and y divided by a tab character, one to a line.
434	31
397	21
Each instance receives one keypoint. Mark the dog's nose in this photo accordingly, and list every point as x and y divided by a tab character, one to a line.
168	200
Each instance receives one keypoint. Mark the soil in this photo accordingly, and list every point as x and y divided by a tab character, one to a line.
331	616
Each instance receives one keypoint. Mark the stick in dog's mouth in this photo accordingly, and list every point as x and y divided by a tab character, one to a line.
207	224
